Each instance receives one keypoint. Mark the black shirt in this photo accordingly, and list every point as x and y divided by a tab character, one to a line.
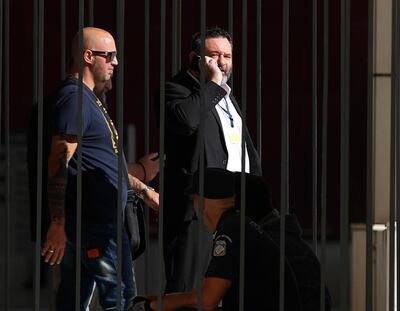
261	287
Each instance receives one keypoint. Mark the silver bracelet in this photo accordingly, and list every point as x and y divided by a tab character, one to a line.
142	193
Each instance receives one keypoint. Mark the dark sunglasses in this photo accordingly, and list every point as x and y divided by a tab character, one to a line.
109	56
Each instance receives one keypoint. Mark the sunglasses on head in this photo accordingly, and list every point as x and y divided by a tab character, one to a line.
109	56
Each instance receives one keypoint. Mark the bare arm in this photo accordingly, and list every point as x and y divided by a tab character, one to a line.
151	198
214	289
62	149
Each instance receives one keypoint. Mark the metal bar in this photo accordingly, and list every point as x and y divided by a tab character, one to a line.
369	176
39	99
7	196
147	124
79	172
242	259
35	51
397	164
393	155
4	234
162	153
202	156
397	137
120	121
258	79
284	148
344	151
315	125
62	40
1	65
324	150
91	13
176	35
231	30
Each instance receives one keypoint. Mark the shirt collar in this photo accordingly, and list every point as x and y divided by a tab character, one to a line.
227	88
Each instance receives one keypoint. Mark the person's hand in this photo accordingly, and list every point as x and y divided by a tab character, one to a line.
152	199
212	71
151	166
54	247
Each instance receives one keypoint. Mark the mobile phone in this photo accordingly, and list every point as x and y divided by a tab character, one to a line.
195	64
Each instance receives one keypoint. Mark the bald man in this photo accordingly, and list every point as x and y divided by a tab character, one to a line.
100	153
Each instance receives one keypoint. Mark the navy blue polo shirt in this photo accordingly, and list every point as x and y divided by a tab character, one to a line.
99	156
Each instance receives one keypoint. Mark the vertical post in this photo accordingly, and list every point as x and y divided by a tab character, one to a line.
162	153
258	79
146	120
284	148
39	45
396	51
369	178
324	172
201	158
7	195
62	40
1	62
91	13
79	172
120	17
176	35
231	30
242	260
1	109
344	151
315	124
393	153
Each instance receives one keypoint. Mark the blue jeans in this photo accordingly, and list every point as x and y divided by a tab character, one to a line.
98	267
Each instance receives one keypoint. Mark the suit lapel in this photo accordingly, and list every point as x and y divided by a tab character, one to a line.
236	105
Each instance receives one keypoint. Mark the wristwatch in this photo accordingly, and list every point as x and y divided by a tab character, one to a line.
141	194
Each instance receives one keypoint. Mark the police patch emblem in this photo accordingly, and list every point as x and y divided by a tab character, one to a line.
219	249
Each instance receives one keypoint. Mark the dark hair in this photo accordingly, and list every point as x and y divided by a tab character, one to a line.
214	32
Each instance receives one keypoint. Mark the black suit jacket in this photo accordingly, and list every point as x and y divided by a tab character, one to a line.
183	140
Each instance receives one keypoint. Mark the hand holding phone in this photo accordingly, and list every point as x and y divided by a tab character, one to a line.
212	71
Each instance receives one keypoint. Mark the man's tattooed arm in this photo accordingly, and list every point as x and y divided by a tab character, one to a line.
150	197
62	149
136	184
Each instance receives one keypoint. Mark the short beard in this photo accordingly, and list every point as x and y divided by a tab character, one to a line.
226	77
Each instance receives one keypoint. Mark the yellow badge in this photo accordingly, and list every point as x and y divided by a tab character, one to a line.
235	138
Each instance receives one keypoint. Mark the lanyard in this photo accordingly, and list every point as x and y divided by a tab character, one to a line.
228	112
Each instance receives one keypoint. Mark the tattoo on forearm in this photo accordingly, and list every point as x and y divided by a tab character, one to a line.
56	188
135	183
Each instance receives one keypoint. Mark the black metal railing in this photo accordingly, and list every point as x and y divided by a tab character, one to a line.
320	92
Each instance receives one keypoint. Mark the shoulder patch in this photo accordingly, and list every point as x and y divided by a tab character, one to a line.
223	236
219	248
